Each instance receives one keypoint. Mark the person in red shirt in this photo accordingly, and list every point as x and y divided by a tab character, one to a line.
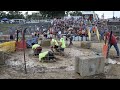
112	42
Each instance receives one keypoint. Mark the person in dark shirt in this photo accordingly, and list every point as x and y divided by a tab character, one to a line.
11	37
71	39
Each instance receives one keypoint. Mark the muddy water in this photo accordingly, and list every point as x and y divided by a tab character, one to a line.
15	66
63	68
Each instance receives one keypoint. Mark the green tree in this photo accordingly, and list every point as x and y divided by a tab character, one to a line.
35	16
52	14
76	13
66	13
15	15
3	15
26	15
29	17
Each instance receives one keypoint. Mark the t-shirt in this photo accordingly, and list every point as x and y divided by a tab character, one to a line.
94	28
113	38
63	43
54	42
83	30
35	46
59	32
42	55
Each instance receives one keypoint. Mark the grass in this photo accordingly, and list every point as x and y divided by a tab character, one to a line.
5	27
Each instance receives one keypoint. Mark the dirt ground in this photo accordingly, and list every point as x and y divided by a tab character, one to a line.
63	68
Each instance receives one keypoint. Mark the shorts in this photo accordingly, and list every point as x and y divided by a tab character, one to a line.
62	49
49	56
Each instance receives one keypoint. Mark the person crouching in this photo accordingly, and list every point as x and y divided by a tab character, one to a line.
37	49
46	56
54	45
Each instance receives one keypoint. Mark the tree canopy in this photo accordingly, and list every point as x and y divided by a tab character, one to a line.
35	15
52	14
11	15
76	13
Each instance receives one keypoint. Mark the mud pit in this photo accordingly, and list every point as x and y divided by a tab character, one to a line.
63	68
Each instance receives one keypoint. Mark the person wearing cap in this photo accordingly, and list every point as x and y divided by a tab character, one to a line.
113	42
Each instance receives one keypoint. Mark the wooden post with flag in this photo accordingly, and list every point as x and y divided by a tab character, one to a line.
24	49
109	44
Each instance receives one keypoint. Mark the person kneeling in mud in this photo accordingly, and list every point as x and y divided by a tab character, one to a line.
37	49
46	56
54	45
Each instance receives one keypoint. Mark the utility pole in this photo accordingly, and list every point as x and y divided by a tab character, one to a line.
113	14
24	31
103	16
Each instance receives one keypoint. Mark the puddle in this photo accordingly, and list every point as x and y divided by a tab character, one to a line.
13	63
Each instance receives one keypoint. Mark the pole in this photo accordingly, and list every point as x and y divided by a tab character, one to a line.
113	14
17	35
24	51
109	44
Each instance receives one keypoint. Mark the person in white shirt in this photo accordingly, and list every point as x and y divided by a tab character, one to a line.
59	34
